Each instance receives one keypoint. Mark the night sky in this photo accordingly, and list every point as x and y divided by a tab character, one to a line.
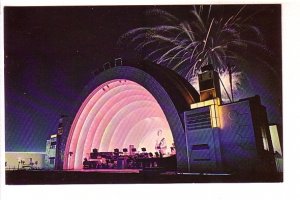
51	52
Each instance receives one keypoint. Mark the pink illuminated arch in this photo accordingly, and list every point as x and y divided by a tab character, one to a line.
116	114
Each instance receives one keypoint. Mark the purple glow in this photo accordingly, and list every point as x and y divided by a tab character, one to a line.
116	114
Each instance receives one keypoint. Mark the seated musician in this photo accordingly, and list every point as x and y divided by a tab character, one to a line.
85	163
103	162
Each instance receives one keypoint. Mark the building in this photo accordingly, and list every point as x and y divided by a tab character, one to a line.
24	160
209	135
232	137
50	155
55	146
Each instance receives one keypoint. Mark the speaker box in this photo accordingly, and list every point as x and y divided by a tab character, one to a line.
209	85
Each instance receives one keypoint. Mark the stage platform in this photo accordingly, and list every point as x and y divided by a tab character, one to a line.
120	176
107	171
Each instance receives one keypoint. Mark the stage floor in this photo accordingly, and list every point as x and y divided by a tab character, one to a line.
122	171
124	176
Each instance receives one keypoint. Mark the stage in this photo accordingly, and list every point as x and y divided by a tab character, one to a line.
108	171
125	176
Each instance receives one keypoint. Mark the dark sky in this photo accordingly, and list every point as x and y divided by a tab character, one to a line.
51	52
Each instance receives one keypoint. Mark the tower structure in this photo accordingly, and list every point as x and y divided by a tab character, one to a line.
231	137
209	84
55	146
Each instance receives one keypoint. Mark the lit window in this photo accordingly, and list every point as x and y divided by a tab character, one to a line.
52	161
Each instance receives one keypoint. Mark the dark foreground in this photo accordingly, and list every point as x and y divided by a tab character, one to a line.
23	177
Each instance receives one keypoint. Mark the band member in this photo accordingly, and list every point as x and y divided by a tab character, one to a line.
173	149
161	145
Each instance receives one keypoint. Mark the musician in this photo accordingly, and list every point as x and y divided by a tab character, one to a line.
161	147
86	164
103	162
173	149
